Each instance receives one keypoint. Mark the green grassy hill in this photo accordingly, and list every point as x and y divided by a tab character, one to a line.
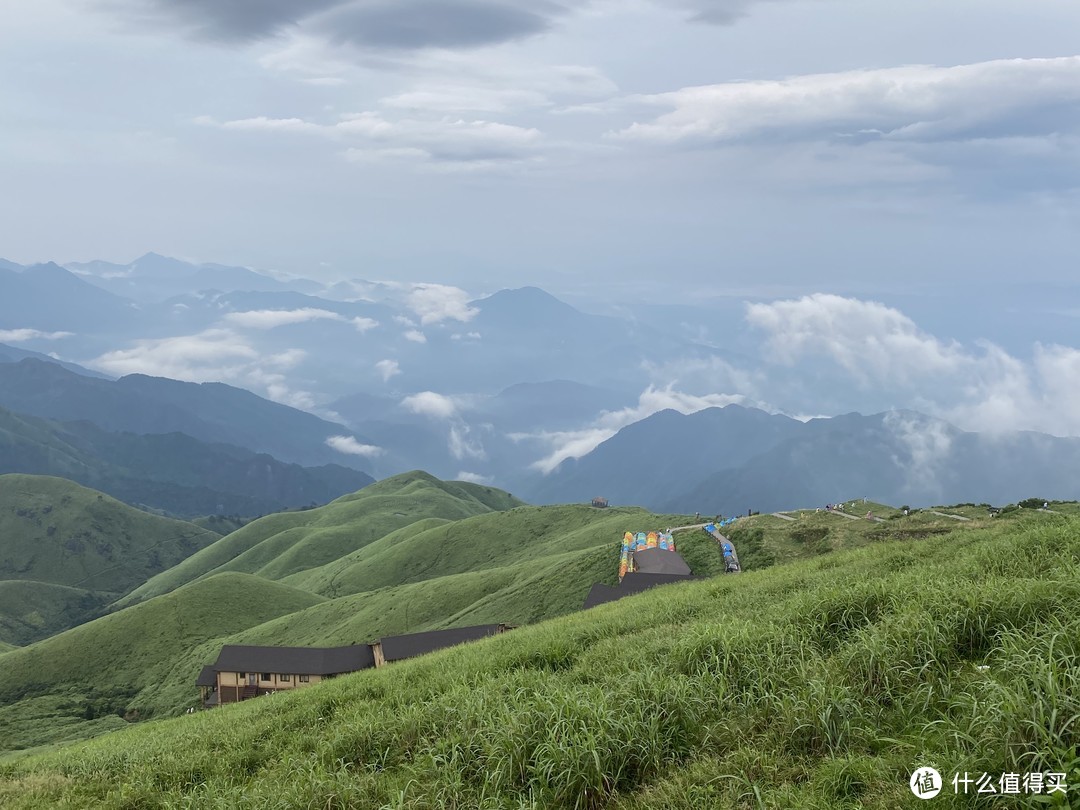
59	532
32	610
5	647
67	551
279	545
121	654
517	566
527	533
821	684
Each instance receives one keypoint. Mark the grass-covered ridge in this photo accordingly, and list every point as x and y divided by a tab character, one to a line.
288	543
66	551
817	685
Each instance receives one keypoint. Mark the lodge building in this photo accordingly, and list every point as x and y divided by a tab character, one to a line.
242	672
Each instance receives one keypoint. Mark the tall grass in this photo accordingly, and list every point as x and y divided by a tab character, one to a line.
820	685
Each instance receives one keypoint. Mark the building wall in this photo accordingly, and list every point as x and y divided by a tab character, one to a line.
232	680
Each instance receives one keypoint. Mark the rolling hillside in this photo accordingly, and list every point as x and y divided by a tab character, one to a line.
68	551
282	544
822	684
59	532
467	565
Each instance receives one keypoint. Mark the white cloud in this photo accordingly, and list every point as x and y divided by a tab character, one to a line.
429	403
462	445
474	478
273	318
578	443
404	321
983	388
456	98
928	442
364	324
22	335
433	303
388	369
214	354
416	336
370	135
911	103
350	446
871	341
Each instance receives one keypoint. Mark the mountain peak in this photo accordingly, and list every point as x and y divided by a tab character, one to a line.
524	304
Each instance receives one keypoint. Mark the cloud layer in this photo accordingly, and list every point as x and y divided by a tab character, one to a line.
23	335
982	388
350	446
914	103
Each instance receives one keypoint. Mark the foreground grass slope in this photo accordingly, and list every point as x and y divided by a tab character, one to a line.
817	685
120	655
286	543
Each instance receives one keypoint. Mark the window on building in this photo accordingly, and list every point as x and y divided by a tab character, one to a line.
241	675
265	676
284	678
304	679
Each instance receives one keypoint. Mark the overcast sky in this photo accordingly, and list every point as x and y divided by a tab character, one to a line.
746	146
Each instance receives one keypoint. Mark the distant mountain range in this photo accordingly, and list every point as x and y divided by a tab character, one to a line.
171	472
734	459
420	376
209	412
154	278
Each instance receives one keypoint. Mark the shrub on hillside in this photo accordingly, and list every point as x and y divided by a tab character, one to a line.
750	543
814	538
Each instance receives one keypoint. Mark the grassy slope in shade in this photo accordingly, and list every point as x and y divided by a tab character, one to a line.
820	685
33	610
172	472
137	648
56	531
282	544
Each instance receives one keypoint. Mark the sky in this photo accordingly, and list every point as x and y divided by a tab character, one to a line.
682	149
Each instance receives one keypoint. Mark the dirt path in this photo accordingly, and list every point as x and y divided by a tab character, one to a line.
954	517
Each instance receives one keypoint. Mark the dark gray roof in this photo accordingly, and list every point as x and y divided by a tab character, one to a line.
207	677
396	648
660	561
600	593
295	660
631	584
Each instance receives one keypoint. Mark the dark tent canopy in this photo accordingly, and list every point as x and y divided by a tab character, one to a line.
660	561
